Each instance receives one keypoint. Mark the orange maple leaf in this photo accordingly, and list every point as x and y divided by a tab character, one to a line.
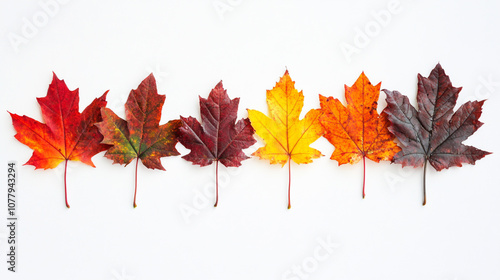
357	131
287	138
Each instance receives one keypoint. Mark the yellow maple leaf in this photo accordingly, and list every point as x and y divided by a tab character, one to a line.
287	137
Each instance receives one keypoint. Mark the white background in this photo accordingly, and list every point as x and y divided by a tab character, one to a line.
190	46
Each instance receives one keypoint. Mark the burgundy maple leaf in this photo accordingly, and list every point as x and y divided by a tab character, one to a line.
220	138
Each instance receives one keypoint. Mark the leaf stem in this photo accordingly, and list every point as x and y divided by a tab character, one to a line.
289	181
65	189
425	196
364	175
135	191
216	183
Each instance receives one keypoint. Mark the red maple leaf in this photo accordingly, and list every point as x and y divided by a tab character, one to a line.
220	138
66	134
434	133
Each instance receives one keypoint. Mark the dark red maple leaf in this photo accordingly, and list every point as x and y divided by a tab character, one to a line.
220	138
66	134
434	133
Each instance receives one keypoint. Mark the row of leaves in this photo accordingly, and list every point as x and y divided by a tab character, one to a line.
432	134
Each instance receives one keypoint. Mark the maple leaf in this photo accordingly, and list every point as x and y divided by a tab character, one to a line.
140	136
66	134
434	133
220	138
357	131
287	138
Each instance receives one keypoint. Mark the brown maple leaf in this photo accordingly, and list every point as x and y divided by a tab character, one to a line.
434	133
